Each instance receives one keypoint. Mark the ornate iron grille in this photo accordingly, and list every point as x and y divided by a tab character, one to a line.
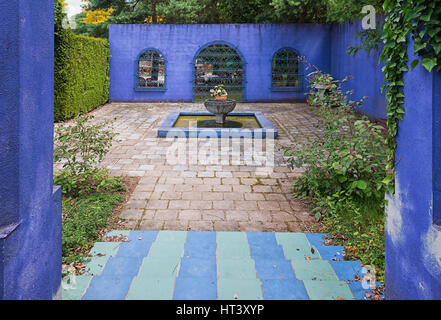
285	73
218	64
151	70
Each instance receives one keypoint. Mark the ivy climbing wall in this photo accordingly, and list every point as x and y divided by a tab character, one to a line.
413	234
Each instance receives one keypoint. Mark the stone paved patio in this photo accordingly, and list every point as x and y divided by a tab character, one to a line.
205	197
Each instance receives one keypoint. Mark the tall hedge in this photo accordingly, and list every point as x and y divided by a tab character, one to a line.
81	71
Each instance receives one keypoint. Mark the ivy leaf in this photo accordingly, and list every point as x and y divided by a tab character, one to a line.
417	46
429	64
437	48
414	63
361	184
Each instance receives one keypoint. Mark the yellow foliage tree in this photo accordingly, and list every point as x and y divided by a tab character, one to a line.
97	16
159	19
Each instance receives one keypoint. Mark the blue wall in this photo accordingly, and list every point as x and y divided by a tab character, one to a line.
179	44
413	241
30	208
322	45
364	67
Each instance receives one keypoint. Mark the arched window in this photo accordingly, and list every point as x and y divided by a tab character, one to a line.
150	71
286	70
218	63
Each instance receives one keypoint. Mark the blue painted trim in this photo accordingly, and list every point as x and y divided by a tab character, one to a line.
167	130
436	147
300	75
150	89
137	88
242	57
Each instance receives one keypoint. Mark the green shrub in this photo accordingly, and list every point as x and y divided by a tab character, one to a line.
345	168
81	80
90	194
347	161
81	146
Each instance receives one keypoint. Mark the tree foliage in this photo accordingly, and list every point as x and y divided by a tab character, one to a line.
97	16
95	19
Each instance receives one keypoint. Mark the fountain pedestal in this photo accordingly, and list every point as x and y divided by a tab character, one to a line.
220	108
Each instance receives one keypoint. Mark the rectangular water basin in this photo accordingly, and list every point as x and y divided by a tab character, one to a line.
248	124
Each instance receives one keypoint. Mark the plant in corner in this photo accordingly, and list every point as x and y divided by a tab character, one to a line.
90	194
80	147
344	167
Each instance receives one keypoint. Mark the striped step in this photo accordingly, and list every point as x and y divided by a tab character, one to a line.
200	265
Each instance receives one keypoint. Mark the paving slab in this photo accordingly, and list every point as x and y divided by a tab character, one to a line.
229	187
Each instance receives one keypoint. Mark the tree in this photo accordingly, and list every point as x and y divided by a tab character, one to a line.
348	10
303	11
215	11
246	11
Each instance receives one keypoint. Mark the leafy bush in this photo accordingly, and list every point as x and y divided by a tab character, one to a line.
347	160
326	91
81	71
89	193
81	146
345	168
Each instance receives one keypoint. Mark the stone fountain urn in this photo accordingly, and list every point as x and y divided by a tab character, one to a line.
220	108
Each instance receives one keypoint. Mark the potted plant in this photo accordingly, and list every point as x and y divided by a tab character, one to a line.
220	105
219	92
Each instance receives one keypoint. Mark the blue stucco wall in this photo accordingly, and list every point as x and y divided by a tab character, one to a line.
30	208
322	45
413	241
364	67
179	43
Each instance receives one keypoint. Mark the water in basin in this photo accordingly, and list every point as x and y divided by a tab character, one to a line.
209	121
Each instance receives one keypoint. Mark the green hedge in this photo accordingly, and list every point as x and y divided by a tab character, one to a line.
81	73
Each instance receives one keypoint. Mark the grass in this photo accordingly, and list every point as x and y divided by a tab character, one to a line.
84	218
360	229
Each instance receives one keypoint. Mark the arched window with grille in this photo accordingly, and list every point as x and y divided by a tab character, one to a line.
286	70
218	63
150	71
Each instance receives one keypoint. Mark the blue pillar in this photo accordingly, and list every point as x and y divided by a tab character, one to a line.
30	207
413	236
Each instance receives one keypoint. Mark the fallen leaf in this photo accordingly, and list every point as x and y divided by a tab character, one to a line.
307	258
340	298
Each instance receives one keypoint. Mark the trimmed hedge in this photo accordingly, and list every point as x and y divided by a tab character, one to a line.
81	73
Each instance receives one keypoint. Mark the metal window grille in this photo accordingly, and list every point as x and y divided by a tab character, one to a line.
286	72
151	70
218	64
